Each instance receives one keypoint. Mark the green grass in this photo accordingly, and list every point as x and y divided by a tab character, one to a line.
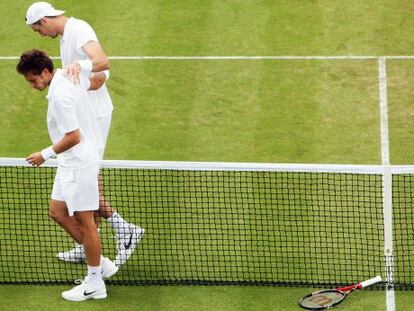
177	298
258	111
400	81
245	111
231	27
239	111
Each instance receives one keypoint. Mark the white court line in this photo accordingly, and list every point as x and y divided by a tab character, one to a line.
339	57
387	187
326	57
385	154
243	57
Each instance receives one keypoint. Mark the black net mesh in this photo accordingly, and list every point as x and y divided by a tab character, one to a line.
403	233
211	227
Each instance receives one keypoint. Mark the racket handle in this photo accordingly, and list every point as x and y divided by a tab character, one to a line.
370	282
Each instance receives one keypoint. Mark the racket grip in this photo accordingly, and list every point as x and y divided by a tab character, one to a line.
372	281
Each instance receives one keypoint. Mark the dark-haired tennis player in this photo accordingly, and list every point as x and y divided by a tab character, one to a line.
81	51
74	132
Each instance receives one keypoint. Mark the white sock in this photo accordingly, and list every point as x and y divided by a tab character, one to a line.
94	275
118	223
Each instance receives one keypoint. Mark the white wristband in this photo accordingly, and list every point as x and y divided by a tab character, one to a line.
106	73
48	153
86	65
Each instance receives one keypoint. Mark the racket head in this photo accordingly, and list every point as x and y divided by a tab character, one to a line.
322	300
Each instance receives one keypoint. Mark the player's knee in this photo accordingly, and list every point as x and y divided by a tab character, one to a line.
88	229
57	213
54	215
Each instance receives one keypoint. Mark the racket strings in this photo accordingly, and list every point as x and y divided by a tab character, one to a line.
322	300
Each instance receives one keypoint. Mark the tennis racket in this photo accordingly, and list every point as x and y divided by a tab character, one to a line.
328	298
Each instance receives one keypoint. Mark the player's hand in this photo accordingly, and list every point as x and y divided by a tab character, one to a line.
35	159
72	72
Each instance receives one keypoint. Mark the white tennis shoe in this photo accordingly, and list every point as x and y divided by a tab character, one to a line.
86	291
76	254
108	268
127	242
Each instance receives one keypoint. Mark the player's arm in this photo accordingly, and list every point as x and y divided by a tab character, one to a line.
68	141
100	61
98	79
64	112
97	62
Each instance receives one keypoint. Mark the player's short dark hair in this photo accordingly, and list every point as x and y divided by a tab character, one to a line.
34	62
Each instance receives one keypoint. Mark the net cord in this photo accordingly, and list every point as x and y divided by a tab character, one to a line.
230	166
234	166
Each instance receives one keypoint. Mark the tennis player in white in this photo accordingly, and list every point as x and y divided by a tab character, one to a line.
74	132
80	51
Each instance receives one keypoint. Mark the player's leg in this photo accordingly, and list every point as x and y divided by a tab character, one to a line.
127	235
59	213
93	285
90	238
81	194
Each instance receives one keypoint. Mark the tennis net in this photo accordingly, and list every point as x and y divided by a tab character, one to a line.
218	223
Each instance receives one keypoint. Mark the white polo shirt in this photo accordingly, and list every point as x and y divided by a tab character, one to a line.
75	35
70	109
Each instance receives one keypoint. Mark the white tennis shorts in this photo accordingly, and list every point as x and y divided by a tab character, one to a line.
77	188
104	126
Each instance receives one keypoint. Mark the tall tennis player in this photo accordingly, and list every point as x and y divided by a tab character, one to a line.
81	52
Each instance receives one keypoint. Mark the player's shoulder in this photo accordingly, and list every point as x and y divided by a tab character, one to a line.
63	82
79	24
64	88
